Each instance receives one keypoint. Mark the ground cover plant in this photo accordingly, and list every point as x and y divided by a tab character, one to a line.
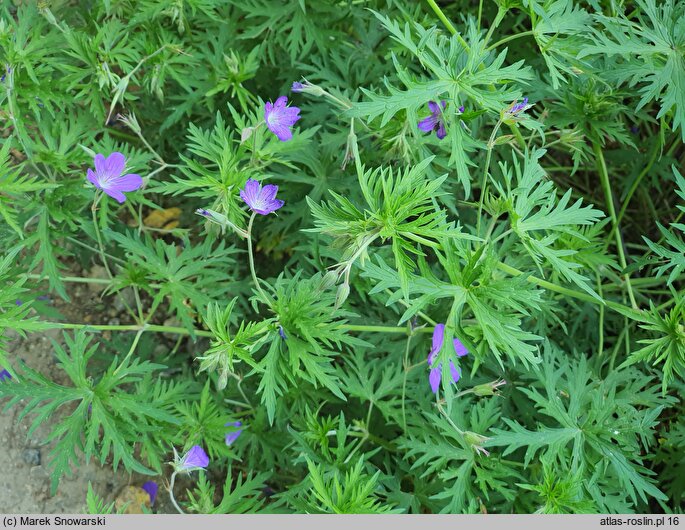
372	257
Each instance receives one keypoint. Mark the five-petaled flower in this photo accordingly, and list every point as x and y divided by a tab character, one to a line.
436	121
261	200
195	458
280	118
436	368
233	436
5	376
151	488
108	176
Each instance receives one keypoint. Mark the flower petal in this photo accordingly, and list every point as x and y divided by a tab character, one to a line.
434	108
282	132
195	458
438	339
250	193
454	372
441	132
281	102
130	182
114	165
428	124
434	378
115	194
268	192
100	164
92	177
459	348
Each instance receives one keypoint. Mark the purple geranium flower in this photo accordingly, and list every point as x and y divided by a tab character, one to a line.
279	118
297	87
435	374
5	376
435	122
151	488
195	458
233	436
108	176
260	200
518	107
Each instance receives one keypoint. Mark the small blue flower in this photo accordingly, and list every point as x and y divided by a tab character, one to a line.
5	376
151	488
233	436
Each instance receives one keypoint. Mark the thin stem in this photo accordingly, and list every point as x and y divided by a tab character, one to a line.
635	185
131	349
606	184
266	298
484	179
171	492
621	308
509	38
202	333
98	236
70	279
404	380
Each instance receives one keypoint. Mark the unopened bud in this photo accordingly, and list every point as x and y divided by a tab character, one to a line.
476	442
342	294
488	389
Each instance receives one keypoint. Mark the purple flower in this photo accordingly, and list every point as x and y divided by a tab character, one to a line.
151	488
5	376
18	302
518	107
461	109
297	87
435	122
279	118
195	458
108	176
281	332
260	200
435	374
233	436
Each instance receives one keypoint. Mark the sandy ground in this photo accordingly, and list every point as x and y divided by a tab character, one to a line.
24	476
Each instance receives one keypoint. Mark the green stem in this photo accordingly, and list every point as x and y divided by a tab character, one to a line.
98	236
484	179
267	299
623	309
635	185
606	185
202	333
510	38
70	279
448	24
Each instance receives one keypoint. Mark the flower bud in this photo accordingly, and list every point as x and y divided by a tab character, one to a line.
342	294
476	440
488	389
